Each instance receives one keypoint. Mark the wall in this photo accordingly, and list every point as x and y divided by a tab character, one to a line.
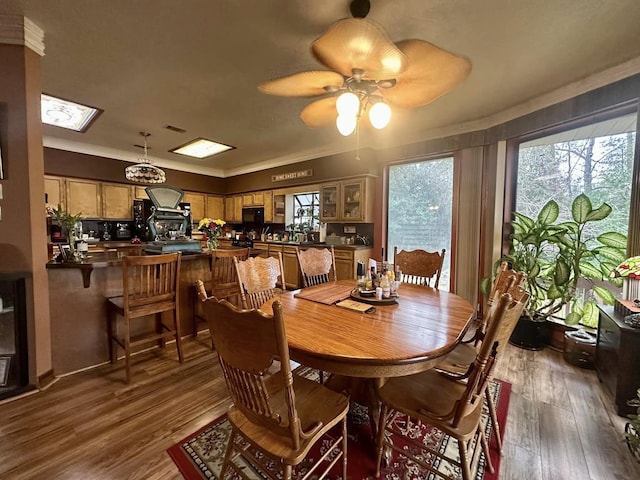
23	225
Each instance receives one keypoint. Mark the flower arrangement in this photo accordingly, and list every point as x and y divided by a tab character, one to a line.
212	228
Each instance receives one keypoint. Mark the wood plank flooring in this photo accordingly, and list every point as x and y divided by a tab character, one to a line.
91	425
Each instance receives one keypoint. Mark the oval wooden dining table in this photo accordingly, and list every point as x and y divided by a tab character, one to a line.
403	338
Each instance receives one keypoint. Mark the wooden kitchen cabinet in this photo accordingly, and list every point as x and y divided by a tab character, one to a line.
291	267
268	206
139	193
215	206
347	261
348	201
237	208
247	200
329	207
117	201
54	192
198	202
84	198
278	209
262	248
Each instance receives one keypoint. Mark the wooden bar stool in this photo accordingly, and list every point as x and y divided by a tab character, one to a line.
150	287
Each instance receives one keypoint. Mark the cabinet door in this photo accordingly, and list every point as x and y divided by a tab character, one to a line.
83	197
329	203
352	196
263	249
268	206
140	193
237	208
278	209
345	266
54	192
197	201
247	199
215	206
258	199
228	209
291	268
116	202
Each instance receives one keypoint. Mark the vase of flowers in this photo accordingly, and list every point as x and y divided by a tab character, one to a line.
212	228
71	228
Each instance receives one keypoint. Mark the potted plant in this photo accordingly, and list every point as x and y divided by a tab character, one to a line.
69	225
556	256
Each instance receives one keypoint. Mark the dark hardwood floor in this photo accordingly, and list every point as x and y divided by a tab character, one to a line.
91	425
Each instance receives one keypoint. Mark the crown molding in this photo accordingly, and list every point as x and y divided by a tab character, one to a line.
18	30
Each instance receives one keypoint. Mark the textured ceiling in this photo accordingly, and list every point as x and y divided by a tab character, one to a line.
196	64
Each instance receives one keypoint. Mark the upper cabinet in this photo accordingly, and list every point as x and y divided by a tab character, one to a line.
268	205
54	192
233	209
347	200
117	202
215	206
198	202
84	197
278	209
140	193
329	198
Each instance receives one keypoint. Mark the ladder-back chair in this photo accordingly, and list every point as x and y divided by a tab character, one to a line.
282	414
150	287
459	363
419	267
450	406
316	265
257	279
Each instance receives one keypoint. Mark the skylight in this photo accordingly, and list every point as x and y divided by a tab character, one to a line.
201	148
66	114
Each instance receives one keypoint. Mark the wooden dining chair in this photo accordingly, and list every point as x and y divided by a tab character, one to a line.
257	279
316	265
450	406
224	280
149	287
280	415
419	267
459	363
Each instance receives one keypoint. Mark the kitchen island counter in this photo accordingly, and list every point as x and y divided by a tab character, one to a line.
79	315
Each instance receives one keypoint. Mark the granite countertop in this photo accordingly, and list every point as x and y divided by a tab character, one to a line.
316	244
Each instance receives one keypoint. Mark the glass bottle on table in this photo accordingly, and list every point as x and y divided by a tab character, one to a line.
385	285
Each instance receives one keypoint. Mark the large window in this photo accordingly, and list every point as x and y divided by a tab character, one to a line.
596	160
420	209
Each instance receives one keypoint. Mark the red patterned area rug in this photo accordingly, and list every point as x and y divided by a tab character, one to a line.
200	455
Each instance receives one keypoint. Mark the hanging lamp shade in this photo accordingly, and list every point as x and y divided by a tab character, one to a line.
145	171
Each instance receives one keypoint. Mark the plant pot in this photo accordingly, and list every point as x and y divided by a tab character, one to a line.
530	334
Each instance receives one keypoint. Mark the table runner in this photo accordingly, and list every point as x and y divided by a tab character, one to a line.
327	293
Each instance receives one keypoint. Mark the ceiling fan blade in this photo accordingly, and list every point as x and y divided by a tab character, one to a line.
432	72
320	113
303	84
359	43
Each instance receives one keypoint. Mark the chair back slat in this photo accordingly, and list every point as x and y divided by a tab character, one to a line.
419	267
224	281
149	280
249	342
316	265
504	317
257	279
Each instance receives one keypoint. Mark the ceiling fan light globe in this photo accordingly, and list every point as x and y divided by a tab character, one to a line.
348	104
346	124
379	115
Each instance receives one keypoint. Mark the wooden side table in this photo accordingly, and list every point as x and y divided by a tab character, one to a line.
617	357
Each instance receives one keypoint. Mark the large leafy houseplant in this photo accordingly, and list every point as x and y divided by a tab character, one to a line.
557	255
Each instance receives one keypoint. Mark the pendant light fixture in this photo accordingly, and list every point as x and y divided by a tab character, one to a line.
144	171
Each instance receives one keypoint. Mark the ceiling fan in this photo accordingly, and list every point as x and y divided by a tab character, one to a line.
369	73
